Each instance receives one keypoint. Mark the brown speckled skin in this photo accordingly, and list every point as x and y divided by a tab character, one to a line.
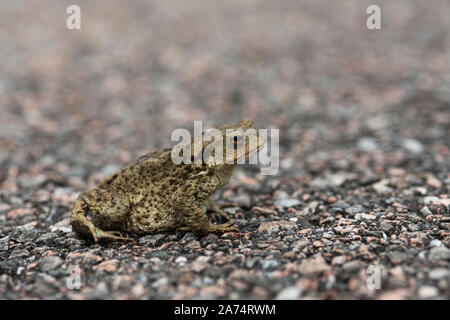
155	195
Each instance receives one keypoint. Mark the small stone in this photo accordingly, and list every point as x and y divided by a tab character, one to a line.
264	211
20	212
314	264
19	253
269	264
251	262
352	266
396	257
109	266
398	275
4	243
354	210
47	238
437	201
338	260
24	234
189	236
91	258
160	282
365	216
421	190
4	207
432	181
425	211
287	163
181	260
436	243
289	293
396	294
49	263
426	292
438	273
413	146
32	182
287	202
387	226
317	244
439	253
153	240
367	144
331	199
382	187
63	226
271	227
242	200
298	245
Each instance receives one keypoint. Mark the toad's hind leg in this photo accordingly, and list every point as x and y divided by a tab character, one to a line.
108	213
212	206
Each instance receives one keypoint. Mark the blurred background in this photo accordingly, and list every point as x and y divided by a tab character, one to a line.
139	69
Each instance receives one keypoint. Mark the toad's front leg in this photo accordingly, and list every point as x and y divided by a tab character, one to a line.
212	206
194	219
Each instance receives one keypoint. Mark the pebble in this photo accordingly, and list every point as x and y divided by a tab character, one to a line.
272	227
287	202
426	292
269	264
108	266
396	257
435	200
439	253
24	234
4	243
352	266
19	253
439	273
242	200
46	239
153	240
432	181
338	260
365	216
382	187
289	293
367	144
63	226
387	226
181	260
49	263
413	145
436	243
160	282
314	264
425	211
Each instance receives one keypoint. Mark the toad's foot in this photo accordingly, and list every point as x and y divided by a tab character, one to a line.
225	227
112	236
213	206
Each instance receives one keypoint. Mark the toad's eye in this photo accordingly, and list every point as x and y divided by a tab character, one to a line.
236	138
